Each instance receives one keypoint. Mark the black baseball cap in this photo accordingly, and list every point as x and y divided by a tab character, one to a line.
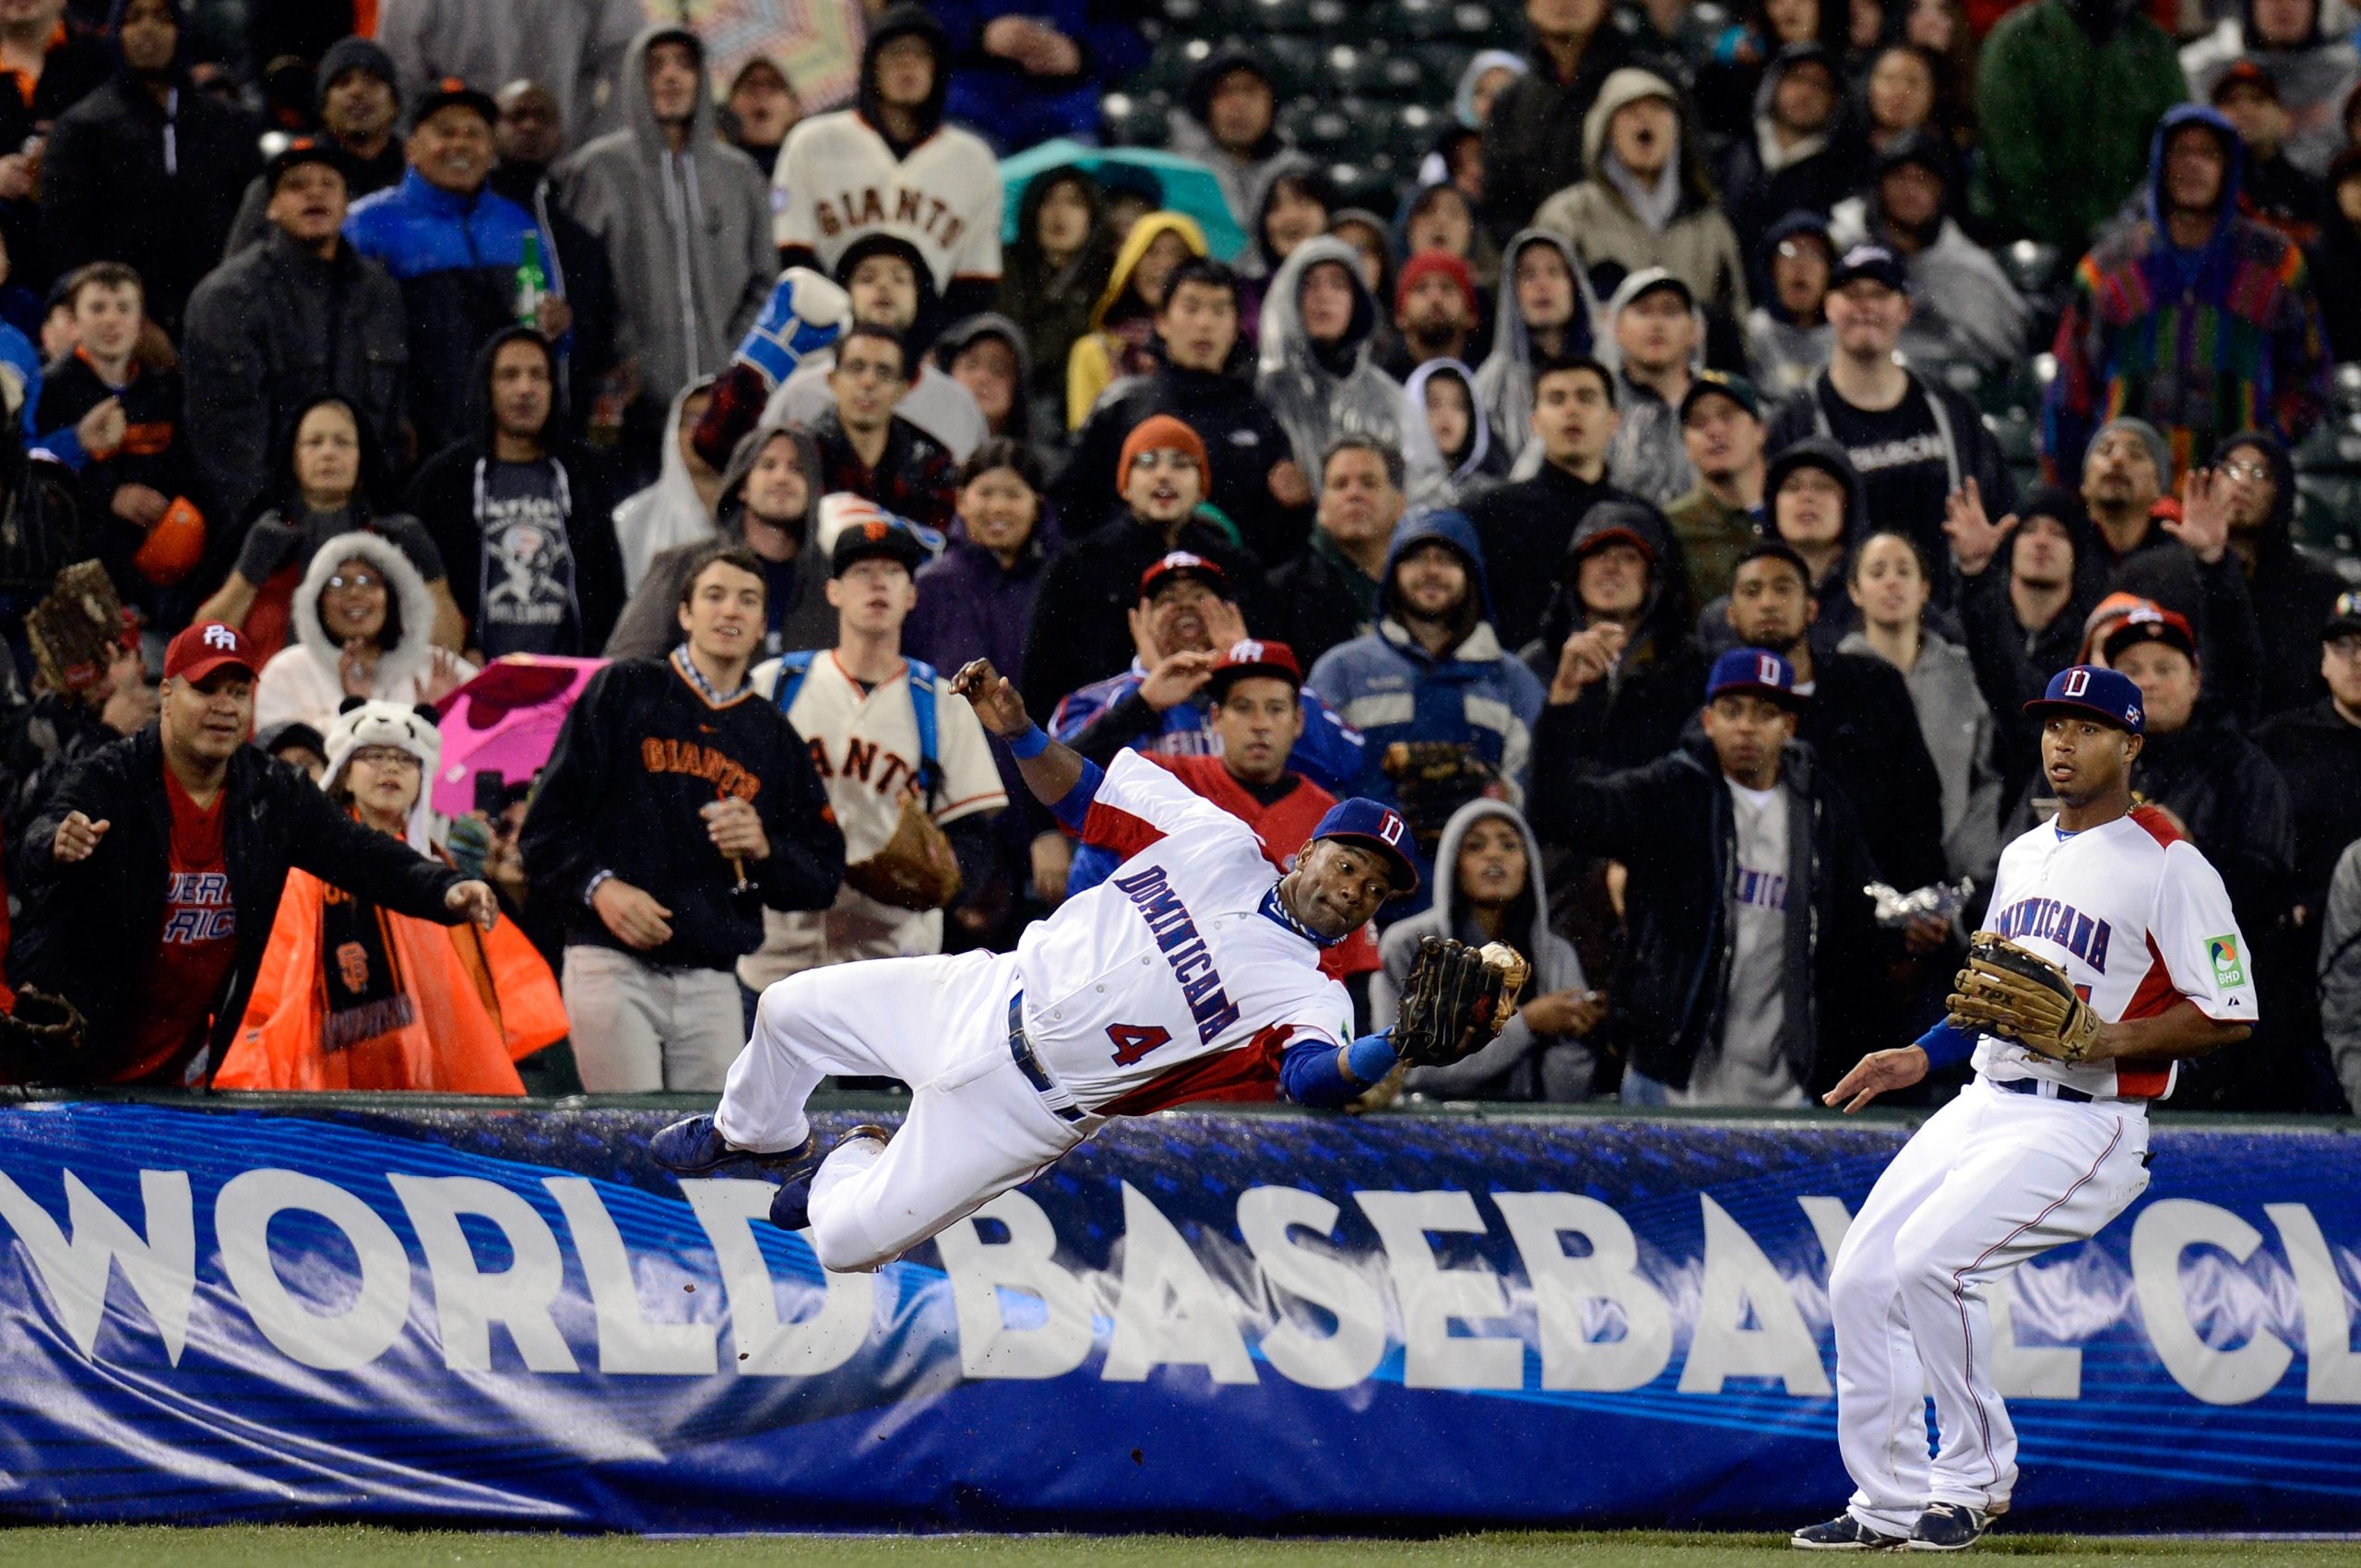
2344	618
886	537
453	92
1874	263
298	152
1721	383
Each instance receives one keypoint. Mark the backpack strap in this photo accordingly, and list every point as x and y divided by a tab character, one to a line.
922	707
792	668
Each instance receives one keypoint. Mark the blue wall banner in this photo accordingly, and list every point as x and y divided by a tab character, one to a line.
1245	1323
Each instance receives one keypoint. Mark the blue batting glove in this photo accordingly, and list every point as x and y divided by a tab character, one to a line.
805	314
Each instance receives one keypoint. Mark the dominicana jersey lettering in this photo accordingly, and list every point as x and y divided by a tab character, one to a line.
2140	922
838	180
1179	976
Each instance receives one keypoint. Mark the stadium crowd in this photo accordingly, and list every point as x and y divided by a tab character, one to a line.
1659	454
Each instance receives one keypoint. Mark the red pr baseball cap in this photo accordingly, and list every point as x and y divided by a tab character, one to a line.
1255	657
207	647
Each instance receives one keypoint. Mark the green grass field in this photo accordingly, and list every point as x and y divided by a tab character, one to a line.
352	1547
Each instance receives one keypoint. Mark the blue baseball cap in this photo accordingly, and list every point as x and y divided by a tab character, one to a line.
1754	669
2107	695
1380	827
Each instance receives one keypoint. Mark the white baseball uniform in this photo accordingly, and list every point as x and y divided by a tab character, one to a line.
1177	976
836	180
2141	923
865	747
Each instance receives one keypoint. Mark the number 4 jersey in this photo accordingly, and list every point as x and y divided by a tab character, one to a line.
2140	922
1179	976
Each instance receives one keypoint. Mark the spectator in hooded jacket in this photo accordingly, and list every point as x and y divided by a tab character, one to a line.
523	515
1318	374
2291	593
299	315
576	47
1201	377
1647	202
1788	340
363	624
1435	312
2193	318
2066	94
1031	70
1538	137
1658	344
986	354
2314	71
1080	630
892	164
1746	929
1544	313
1328	594
147	171
1434	678
1447	437
1294	204
1051	276
1121	339
2022	603
685	217
2274	192
454	247
2318	751
579	312
1913	439
767	501
1614	643
1962	307
1489	888
1794	156
359	106
1814	503
1228	120
169	848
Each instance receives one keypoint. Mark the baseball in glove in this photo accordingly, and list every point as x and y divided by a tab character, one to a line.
1457	999
2013	991
915	869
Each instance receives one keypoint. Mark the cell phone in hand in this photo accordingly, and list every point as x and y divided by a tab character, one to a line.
491	792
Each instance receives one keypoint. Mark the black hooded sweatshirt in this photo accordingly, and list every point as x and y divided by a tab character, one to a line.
2291	595
155	185
530	547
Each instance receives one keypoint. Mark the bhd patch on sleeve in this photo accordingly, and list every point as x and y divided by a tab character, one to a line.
2228	967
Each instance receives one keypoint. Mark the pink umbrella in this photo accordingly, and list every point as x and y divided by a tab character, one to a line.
505	721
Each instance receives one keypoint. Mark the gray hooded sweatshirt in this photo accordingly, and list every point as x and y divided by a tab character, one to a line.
1320	395
2339	974
1519	1065
689	233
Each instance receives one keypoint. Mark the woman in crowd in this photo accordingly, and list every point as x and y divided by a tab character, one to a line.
1902	96
1055	271
1889	584
975	601
1443	218
328	478
1940	29
352	996
1447	437
1489	888
361	617
985	353
1122	325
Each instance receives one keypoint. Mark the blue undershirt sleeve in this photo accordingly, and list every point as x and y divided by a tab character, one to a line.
1945	1045
1323	1077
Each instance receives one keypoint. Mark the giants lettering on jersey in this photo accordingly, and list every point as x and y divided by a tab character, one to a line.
862	758
660	755
197	909
1176	934
866	208
2062	923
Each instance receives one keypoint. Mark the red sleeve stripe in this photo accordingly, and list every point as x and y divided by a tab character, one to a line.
1112	827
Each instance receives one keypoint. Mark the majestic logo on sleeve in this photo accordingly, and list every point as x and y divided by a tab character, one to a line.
1175	936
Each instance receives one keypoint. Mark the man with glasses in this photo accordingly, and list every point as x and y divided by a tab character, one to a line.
869	450
2290	594
1082	617
167	850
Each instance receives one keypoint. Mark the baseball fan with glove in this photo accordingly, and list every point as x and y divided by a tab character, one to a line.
2016	994
1457	999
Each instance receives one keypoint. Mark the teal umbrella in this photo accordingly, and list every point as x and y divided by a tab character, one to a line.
1189	186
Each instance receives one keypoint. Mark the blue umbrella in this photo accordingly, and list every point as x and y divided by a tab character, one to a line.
1189	186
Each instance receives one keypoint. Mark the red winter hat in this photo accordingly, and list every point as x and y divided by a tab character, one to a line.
1425	262
1161	433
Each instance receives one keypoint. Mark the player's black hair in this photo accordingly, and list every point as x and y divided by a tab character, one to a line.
1775	549
728	555
1558	364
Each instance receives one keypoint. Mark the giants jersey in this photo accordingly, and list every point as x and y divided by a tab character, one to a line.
2140	922
1178	977
864	746
836	181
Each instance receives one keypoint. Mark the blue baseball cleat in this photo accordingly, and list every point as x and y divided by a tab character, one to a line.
695	1146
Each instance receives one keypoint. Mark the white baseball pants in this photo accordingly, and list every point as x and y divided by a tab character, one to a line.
1992	1179
977	1126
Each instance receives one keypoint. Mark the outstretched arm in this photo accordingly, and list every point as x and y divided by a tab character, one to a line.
1060	778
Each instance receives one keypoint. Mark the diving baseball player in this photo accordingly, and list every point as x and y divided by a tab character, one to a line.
1193	968
2111	955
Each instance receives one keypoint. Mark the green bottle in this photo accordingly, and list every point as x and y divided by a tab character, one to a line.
532	283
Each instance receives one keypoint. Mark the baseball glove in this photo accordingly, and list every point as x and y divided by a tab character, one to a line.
39	1036
77	631
1456	999
2011	990
915	869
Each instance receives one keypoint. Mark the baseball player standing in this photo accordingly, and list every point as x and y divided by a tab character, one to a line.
1195	968
2111	956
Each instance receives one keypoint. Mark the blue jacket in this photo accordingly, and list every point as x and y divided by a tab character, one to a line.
1387	686
455	258
999	100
